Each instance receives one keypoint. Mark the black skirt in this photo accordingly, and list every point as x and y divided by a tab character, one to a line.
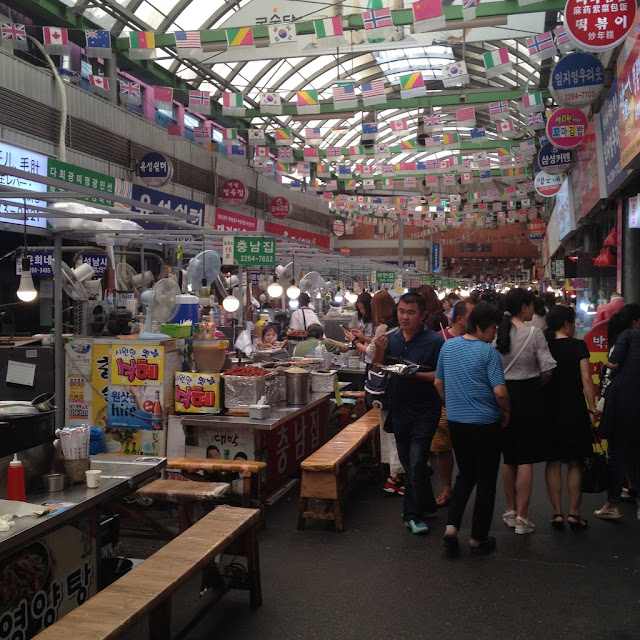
525	438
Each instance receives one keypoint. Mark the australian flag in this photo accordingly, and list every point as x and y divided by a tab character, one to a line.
478	132
98	43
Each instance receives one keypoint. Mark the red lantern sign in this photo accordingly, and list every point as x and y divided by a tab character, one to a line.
234	192
598	25
345	251
279	207
338	227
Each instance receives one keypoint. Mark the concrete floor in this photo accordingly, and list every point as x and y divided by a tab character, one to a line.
377	580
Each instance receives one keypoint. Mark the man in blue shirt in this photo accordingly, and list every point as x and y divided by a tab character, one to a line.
415	407
470	381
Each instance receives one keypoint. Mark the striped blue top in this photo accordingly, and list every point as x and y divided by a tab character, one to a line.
470	369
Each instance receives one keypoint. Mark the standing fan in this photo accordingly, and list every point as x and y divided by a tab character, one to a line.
161	304
312	284
205	266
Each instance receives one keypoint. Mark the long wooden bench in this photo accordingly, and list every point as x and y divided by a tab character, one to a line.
324	471
145	592
249	471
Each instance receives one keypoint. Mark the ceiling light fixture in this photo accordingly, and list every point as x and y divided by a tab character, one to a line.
26	291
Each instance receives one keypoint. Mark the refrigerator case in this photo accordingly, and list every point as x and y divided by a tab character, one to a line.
125	387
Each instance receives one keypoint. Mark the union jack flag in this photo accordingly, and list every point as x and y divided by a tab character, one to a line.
388	168
534	118
377	18
130	92
16	33
285	153
498	107
432	121
449	178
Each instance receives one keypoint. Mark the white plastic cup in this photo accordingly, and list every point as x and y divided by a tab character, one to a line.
93	478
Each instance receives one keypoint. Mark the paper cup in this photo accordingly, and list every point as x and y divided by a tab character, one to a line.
93	478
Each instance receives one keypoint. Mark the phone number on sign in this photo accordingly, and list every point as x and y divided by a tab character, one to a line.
251	259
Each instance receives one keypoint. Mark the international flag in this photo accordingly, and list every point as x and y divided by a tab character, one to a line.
329	32
55	40
478	133
387	182
130	92
365	169
14	35
505	128
175	130
232	104
382	151
373	92
142	45
466	117
201	134
377	18
331	184
344	170
304	168
283	137
310	154
270	103
99	82
428	16
350	185
485	176
323	169
388	168
283	33
434	142
237	151
229	134
434	120
163	98
451	140
541	46
455	74
466	177
240	37
295	185
410	182
527	146
412	85
449	178
344	96
368	183
313	135
535	121
308	101
98	43
256	136
261	152
200	101
497	62
188	43
285	153
498	110
369	131
563	42
282	167
469	9
399	125
333	152
532	102
261	164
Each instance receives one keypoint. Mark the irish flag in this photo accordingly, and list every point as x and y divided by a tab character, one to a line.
232	104
497	62
241	37
308	101
412	85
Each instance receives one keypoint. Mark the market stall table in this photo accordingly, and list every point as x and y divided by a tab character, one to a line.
282	440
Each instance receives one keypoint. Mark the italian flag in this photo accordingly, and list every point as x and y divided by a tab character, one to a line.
328	27
229	134
532	103
142	40
497	62
232	104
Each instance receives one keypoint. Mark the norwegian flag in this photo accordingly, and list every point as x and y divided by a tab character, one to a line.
15	35
541	46
202	132
377	19
432	121
562	40
497	109
333	152
200	101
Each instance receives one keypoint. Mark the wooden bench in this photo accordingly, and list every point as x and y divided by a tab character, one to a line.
324	472
146	590
249	470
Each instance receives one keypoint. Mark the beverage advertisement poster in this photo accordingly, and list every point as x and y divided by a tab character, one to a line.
135	407
137	365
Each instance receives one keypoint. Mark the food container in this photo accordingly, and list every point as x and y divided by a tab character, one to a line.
74	469
176	330
209	355
197	392
276	388
242	391
53	481
44	402
297	386
259	411
353	362
323	381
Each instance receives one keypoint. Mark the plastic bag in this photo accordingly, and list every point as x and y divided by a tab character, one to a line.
244	343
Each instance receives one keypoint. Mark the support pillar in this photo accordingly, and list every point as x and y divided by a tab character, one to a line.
630	259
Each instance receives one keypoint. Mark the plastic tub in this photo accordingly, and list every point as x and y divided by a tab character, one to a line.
177	330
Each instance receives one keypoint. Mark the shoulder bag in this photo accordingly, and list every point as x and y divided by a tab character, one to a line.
522	348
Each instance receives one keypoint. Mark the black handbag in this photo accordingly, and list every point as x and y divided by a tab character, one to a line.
376	386
595	472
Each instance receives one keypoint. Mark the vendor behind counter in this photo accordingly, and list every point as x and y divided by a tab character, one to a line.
315	335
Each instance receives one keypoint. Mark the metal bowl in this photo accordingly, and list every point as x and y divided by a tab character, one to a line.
44	402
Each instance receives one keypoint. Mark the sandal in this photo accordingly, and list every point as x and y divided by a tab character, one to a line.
558	524
394	485
577	522
524	526
443	499
508	520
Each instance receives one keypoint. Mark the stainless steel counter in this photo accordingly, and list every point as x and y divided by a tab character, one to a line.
279	414
120	475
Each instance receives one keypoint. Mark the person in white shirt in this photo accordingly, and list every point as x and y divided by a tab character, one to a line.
303	317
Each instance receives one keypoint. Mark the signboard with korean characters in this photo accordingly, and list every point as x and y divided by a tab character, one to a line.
547	185
254	251
577	80
385	277
555	161
197	392
567	127
588	169
598	25
634	213
97	262
537	229
609	131
279	207
155	169
564	210
166	201
338	227
234	192
628	77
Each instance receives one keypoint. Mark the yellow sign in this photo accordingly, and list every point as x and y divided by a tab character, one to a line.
136	364
197	392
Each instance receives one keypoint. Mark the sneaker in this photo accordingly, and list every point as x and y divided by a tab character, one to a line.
608	514
393	488
417	526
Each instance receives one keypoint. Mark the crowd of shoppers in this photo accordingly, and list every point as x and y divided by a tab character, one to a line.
477	381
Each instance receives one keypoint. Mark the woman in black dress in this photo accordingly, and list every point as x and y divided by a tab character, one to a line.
572	418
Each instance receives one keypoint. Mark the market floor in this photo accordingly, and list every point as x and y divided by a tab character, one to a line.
378	580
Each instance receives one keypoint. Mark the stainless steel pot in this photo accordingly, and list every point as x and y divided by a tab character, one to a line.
44	402
297	387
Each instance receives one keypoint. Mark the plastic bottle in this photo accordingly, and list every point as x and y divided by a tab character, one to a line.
15	480
156	412
216	315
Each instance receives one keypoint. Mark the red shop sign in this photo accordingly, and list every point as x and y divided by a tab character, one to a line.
279	207
598	25
338	227
566	127
234	192
537	226
345	251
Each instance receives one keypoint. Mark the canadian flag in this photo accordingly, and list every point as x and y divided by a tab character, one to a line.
100	82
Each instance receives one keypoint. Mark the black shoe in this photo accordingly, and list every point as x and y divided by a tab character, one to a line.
484	548
451	545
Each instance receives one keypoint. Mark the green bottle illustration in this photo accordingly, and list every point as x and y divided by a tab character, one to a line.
133	449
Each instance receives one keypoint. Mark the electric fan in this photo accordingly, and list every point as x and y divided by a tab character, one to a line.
161	304
204	266
128	279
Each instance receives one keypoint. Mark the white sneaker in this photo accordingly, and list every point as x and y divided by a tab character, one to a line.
524	526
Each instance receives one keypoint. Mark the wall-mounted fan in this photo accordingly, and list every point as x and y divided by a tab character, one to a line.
128	279
285	274
203	267
161	305
312	284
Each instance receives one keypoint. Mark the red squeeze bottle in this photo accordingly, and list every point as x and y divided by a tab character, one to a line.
15	480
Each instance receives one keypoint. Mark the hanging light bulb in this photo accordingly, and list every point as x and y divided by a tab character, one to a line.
293	291
26	291
293	304
351	297
338	296
231	304
274	290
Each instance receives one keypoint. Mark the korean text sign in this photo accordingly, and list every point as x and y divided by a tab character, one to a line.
254	251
